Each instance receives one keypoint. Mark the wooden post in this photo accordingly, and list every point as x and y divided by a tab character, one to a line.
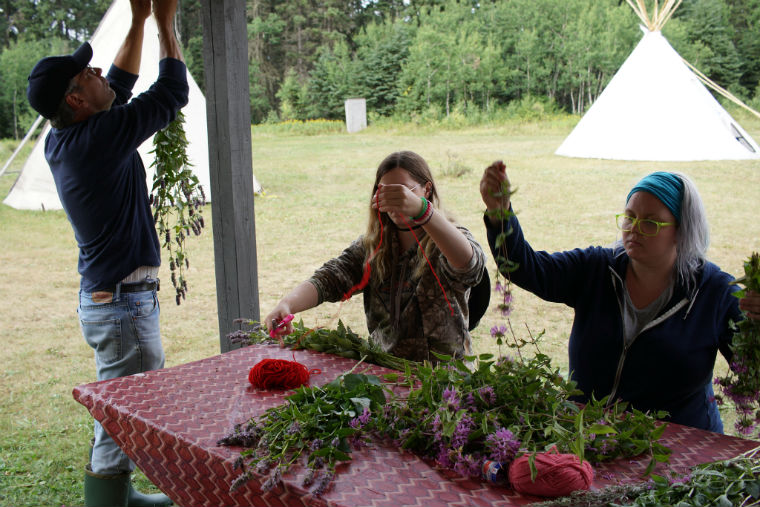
225	55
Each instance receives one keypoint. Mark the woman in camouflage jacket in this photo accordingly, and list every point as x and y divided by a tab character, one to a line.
407	313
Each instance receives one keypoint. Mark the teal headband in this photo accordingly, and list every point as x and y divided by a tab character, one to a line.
667	187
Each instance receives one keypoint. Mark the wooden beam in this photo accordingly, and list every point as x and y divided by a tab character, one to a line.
225	55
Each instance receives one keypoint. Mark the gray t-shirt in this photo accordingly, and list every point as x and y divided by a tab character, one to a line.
635	319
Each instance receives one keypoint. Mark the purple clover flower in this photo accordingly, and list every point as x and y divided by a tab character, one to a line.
488	395
503	445
467	465
324	482
364	418
498	331
462	431
451	398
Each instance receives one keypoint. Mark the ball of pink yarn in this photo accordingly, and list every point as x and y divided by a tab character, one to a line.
558	475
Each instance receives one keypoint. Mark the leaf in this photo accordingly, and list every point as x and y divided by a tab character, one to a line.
601	429
361	403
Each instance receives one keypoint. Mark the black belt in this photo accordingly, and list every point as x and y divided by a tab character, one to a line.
136	286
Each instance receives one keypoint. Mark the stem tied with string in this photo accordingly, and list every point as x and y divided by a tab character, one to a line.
177	199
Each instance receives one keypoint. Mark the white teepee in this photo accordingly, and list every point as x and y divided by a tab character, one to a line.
656	108
35	189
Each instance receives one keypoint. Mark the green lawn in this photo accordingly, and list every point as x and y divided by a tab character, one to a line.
315	204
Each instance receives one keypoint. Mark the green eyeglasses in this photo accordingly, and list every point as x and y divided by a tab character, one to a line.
644	226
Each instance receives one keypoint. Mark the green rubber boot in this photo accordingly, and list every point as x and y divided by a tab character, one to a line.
137	499
105	490
133	497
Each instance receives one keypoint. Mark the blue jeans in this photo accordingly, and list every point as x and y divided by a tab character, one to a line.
126	338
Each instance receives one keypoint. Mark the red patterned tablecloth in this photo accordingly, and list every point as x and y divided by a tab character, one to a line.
168	421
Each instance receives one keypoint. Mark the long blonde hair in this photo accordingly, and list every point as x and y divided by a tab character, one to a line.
418	169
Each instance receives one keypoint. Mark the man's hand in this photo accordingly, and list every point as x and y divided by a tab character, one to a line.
164	11
140	10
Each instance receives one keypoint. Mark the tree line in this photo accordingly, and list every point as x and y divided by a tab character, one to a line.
409	58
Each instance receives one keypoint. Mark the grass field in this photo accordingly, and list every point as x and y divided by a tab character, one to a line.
316	190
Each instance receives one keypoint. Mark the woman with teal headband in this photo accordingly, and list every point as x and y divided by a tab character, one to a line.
651	313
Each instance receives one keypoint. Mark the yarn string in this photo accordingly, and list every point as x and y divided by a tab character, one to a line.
367	269
429	263
280	374
556	474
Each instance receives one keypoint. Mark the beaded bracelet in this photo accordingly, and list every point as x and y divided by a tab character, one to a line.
423	209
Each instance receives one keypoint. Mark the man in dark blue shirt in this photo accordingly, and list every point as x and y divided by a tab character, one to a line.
100	178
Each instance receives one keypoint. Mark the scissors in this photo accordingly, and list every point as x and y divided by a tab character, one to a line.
276	326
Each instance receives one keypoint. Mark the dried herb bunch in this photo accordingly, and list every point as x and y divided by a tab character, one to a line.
177	198
742	383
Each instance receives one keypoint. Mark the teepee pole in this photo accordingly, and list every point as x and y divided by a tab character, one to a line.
22	143
638	12
719	89
667	12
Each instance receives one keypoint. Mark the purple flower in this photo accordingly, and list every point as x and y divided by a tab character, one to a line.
355	423
488	395
498	331
294	428
471	402
364	418
442	458
503	445
462	431
451	398
498	287
467	465
316	444
324	482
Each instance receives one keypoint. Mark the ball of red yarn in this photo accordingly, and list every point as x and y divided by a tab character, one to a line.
278	373
558	475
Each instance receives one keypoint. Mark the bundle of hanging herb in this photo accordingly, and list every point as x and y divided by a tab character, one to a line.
177	198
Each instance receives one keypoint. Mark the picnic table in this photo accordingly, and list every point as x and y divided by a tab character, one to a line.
168	422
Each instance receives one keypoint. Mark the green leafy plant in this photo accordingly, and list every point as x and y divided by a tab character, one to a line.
177	198
501	408
742	382
322	423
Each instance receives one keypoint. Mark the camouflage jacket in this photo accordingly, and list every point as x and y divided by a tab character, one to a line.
406	315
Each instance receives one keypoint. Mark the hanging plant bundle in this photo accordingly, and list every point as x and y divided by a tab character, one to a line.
742	383
177	198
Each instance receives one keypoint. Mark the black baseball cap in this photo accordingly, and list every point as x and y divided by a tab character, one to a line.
50	79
